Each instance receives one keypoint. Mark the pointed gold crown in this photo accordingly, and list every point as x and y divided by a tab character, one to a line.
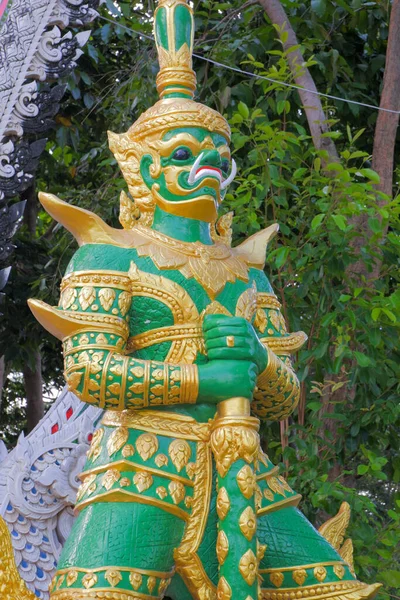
176	80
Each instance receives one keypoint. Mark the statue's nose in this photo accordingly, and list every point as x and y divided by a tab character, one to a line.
211	158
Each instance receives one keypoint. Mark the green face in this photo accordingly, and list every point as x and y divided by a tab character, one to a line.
194	166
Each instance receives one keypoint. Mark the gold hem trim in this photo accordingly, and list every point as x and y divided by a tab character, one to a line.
99	594
159	574
288	343
116	279
132	467
172	333
293	501
166	424
125	496
329	563
354	590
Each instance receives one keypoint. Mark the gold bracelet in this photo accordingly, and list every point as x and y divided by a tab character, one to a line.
189	384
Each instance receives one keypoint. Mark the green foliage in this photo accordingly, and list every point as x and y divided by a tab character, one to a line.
344	449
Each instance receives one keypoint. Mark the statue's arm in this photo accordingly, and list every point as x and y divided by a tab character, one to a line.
92	321
278	390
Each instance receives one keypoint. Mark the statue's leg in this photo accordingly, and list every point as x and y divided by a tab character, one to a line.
297	561
123	548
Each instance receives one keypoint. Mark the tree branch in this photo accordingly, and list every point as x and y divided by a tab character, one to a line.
311	102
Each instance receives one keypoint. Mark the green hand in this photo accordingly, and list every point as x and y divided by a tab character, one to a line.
223	379
247	346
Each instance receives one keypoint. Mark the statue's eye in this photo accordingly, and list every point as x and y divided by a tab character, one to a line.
225	165
181	154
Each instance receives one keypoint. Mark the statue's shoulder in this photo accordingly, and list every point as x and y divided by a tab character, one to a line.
253	250
85	226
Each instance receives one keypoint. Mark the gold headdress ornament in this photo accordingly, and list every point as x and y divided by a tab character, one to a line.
176	84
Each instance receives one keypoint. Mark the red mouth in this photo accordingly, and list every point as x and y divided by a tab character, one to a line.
210	169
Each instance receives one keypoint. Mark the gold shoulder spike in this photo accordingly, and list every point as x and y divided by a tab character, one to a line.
85	226
334	530
62	324
254	248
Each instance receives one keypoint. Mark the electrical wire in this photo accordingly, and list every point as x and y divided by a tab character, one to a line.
264	77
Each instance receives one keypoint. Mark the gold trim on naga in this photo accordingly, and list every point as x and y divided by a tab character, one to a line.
354	590
166	424
94	594
292	501
159	574
125	496
267	474
329	563
125	465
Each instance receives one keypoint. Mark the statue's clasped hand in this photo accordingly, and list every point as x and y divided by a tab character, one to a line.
235	359
233	338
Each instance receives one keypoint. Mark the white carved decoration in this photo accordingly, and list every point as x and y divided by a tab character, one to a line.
38	486
32	47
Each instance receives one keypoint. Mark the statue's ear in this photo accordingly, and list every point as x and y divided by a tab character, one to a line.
147	170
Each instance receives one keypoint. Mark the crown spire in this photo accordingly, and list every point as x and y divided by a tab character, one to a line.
174	33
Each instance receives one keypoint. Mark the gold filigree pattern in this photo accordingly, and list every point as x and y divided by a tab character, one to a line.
234	441
111	476
161	460
86	296
320	573
89	580
106	298
276	578
343	590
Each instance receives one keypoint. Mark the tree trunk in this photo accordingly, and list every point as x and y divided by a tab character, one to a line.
2	377
311	101
33	391
32	378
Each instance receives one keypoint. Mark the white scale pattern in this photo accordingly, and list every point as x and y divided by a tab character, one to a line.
38	486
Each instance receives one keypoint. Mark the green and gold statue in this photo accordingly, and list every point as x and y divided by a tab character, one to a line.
180	338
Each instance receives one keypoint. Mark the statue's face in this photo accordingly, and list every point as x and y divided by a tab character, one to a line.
191	172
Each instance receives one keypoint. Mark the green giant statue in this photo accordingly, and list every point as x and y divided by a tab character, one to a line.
180	338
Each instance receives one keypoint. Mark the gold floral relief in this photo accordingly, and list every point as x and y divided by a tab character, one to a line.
95	446
180	452
124	303
113	577
248	523
135	579
161	460
223	503
83	488
117	439
147	445
128	450
106	297
177	491
72	576
276	578
339	571
246	481
89	580
68	297
224	591
299	576
161	492
143	481
248	567
87	296
222	547
111	476
320	573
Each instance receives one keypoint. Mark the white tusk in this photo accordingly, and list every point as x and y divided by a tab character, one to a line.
231	177
192	174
